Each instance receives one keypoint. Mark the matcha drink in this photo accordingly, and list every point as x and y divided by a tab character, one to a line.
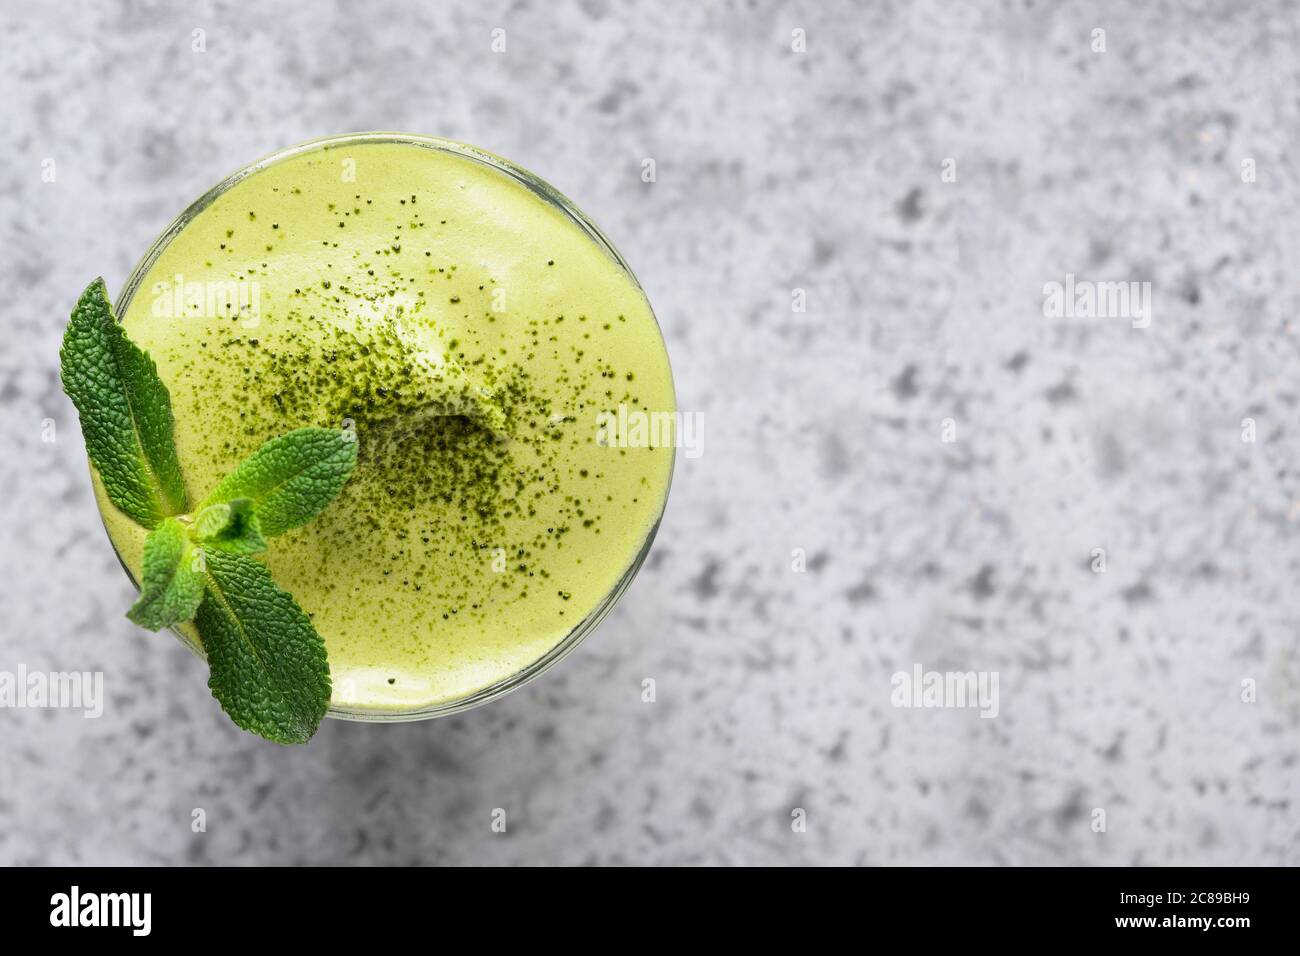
450	311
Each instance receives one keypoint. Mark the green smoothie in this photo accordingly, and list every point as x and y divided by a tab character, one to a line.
472	334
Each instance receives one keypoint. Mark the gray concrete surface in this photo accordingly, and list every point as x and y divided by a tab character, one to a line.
1120	691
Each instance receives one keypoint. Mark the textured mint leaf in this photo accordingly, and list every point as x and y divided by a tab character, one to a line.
291	479
171	579
268	666
125	411
232	525
214	519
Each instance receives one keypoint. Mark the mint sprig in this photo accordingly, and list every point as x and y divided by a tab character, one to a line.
268	666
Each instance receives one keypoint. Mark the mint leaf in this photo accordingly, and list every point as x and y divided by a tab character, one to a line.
291	479
232	525
213	520
171	584
125	411
268	665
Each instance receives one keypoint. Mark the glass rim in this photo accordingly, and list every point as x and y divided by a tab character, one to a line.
547	193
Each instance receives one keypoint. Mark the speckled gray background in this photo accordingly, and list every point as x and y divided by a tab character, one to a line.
776	170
